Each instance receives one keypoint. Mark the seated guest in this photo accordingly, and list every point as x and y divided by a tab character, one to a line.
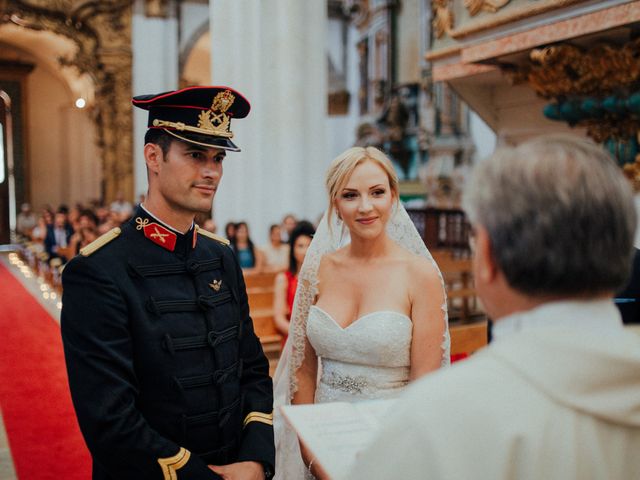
276	253
210	225
86	231
249	257
289	222
230	230
287	282
57	238
26	220
556	395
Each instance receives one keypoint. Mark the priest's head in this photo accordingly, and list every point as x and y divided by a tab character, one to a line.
553	219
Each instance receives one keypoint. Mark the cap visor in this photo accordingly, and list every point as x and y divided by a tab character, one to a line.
205	141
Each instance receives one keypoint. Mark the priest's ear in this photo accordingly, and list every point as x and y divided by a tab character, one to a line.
486	267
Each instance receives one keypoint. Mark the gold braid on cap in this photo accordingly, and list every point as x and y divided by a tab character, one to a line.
213	121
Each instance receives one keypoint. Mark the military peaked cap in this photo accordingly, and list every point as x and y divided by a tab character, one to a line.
199	115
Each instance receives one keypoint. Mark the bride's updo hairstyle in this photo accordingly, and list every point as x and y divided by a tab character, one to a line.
344	164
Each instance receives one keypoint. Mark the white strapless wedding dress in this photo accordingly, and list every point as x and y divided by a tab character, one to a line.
369	359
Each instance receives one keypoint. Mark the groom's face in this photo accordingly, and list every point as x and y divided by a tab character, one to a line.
366	200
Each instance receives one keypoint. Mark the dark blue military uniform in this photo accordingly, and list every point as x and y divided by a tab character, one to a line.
165	370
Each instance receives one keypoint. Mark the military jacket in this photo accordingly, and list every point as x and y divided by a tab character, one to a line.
166	373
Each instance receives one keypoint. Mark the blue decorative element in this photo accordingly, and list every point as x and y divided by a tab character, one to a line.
570	111
591	107
552	111
633	103
624	150
614	104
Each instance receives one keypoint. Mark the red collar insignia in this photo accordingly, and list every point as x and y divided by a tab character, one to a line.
160	235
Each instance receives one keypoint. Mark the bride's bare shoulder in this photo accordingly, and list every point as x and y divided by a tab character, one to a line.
333	259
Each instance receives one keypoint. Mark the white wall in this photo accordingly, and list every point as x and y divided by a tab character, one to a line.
273	54
64	161
342	128
154	44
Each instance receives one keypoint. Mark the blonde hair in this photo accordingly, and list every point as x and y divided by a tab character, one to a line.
344	164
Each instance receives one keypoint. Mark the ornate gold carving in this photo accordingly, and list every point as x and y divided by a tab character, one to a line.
568	74
632	172
102	34
492	6
568	70
443	18
156	8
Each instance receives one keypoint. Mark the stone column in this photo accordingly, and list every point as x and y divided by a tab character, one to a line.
273	51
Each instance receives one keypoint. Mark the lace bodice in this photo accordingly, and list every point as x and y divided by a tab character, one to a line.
368	359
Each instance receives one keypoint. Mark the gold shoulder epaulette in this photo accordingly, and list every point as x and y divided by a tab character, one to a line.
100	242
215	237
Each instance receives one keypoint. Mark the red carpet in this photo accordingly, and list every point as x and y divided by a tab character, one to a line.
43	433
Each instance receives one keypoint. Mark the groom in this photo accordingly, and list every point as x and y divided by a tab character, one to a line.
556	395
168	378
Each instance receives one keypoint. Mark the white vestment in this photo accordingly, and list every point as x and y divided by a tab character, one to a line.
555	396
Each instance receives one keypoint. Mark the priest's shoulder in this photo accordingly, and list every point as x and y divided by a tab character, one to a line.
212	236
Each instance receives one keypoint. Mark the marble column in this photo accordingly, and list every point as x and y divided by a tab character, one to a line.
274	52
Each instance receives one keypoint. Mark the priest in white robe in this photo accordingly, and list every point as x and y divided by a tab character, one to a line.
556	395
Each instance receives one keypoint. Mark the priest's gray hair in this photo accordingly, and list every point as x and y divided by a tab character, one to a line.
559	214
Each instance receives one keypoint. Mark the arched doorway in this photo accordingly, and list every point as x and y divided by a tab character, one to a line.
100	33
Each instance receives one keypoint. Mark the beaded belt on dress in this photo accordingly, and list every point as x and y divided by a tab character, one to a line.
363	377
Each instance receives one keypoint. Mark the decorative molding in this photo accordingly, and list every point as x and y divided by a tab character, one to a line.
442	53
508	16
560	31
476	6
443	18
102	33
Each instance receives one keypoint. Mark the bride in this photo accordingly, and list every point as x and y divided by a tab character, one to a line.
370	303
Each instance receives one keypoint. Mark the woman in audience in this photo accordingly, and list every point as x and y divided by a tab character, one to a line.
286	282
249	257
230	230
86	231
370	303
276	253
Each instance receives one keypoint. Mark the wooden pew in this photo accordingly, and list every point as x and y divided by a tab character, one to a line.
457	273
467	338
260	288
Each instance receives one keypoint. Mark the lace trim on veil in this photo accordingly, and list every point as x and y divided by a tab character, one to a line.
329	237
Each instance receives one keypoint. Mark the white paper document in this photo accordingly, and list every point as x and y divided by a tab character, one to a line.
335	433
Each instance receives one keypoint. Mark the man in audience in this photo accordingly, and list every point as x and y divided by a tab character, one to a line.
276	253
58	235
121	207
26	220
557	393
289	222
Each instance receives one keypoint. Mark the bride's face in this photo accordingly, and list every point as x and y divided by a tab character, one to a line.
366	201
